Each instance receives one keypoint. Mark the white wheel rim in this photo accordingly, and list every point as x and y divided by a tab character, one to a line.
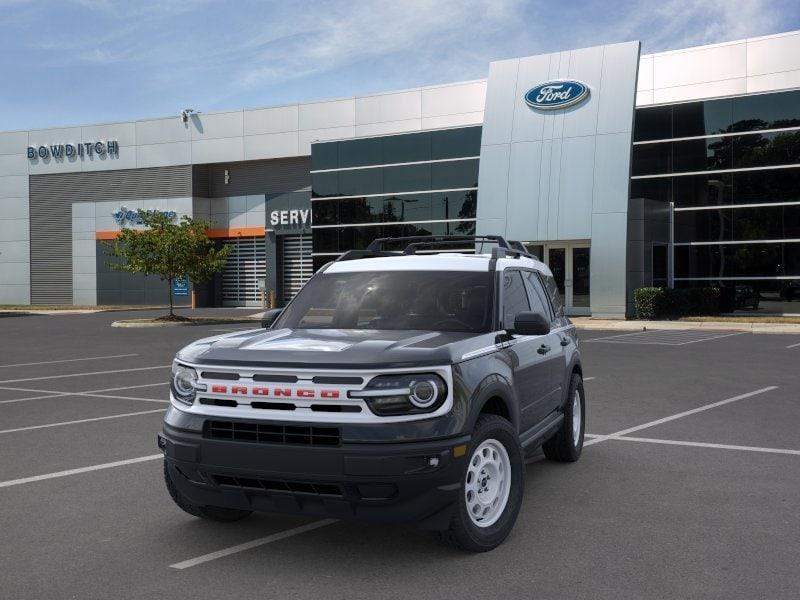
577	416
488	483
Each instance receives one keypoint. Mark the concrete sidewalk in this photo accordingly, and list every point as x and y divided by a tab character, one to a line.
622	325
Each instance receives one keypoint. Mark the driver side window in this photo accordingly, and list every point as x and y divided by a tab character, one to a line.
515	299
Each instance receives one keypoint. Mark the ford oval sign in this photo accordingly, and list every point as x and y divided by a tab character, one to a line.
556	94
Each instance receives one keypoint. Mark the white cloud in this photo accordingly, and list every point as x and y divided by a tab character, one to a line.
335	35
675	24
159	54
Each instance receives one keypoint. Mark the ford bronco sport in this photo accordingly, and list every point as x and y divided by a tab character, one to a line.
396	386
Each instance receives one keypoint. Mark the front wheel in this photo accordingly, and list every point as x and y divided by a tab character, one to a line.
491	490
567	443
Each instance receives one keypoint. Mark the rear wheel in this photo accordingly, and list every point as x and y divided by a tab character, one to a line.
491	490
213	513
566	445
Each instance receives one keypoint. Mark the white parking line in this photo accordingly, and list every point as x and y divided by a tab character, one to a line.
717	337
686	413
13	400
282	535
123	398
793	346
589	378
66	360
68	472
91	393
85	374
132	414
705	445
667	337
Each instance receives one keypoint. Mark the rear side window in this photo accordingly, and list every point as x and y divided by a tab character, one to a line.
537	295
555	297
515	299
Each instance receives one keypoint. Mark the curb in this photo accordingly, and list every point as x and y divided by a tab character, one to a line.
752	327
133	324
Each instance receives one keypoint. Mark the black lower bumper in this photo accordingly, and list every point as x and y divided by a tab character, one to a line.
398	482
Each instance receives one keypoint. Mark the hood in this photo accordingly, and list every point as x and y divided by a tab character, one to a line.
332	348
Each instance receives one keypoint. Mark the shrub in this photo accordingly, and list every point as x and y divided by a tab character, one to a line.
648	302
662	303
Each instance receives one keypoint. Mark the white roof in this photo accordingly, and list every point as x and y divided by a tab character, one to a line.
433	262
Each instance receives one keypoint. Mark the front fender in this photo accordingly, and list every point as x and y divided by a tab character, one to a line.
486	378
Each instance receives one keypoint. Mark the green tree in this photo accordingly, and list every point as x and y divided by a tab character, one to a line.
168	249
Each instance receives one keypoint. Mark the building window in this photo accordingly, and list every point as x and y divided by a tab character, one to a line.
399	185
425	146
729	115
735	186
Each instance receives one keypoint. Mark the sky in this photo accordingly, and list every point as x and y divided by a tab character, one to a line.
73	62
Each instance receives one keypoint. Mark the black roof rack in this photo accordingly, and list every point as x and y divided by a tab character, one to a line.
521	248
415	242
357	254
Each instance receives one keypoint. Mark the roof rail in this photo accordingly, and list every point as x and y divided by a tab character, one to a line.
375	249
415	242
357	254
516	245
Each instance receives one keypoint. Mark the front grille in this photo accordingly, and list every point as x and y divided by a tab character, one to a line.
274	378
261	405
269	433
337	380
220	375
277	485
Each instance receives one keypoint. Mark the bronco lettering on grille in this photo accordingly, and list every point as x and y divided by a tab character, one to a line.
241	390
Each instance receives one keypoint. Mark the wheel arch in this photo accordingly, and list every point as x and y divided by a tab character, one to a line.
495	397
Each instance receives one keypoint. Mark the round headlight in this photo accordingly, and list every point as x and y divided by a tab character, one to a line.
403	394
184	383
423	393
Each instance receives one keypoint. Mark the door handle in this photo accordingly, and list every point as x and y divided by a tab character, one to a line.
543	349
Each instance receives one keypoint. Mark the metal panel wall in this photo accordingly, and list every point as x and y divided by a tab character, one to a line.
51	247
563	174
51	198
749	66
257	177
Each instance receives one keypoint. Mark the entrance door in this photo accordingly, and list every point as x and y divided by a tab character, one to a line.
297	264
571	267
245	265
579	263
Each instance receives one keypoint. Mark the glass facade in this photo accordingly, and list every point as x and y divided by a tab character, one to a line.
422	183
732	169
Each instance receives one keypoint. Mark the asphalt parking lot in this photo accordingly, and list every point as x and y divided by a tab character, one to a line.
687	488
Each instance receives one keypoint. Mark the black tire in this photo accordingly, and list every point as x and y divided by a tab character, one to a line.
462	532
213	513
563	447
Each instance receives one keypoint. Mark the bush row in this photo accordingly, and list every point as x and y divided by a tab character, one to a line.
664	303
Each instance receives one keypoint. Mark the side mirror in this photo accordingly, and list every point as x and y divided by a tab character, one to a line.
531	323
269	317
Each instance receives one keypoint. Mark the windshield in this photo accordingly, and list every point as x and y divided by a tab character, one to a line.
429	300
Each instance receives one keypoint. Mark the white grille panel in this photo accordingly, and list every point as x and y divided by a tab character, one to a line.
211	375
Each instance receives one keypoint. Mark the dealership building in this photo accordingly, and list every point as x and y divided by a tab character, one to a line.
619	170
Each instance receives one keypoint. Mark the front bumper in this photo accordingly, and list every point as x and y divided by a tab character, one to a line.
391	482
